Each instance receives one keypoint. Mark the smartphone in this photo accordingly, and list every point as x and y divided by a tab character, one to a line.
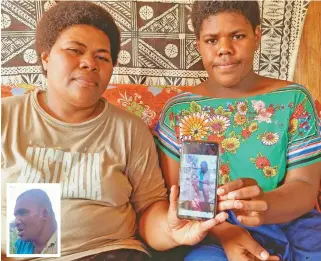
198	180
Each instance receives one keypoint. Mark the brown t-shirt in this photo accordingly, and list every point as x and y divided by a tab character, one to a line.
107	167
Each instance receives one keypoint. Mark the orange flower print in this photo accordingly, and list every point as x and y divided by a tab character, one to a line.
194	126
253	127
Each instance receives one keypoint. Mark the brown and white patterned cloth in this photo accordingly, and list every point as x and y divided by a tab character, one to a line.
157	41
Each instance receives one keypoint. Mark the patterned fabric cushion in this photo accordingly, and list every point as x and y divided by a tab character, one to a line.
144	101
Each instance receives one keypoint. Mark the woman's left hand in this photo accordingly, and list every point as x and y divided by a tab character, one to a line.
188	232
245	197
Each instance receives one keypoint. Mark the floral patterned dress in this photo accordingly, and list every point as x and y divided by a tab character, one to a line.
260	137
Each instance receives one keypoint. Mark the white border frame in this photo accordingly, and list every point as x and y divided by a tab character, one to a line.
57	213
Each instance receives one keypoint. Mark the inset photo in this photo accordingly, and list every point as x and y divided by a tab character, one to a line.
33	220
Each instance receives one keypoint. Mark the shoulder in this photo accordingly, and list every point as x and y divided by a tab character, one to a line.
183	97
275	85
8	102
126	120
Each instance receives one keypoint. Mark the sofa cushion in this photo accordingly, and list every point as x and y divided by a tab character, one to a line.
144	101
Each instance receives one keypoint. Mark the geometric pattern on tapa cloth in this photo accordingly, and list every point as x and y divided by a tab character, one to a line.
157	41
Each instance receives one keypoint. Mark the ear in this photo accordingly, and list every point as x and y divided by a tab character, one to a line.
198	45
45	213
258	36
44	60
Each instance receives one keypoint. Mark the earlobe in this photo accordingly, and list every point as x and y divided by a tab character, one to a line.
44	60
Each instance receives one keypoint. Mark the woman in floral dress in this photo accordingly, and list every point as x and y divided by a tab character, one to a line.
267	130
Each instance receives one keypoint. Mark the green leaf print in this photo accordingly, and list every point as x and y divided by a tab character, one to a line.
185	112
194	107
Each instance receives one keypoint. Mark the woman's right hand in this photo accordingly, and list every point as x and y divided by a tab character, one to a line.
239	245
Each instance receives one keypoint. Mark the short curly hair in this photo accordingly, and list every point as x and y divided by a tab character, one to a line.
201	10
66	14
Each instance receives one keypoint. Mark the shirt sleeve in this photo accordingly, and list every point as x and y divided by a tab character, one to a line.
144	172
304	147
166	133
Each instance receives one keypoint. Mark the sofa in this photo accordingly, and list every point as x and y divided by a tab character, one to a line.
145	102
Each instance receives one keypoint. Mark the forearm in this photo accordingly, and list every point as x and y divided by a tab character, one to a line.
289	201
153	227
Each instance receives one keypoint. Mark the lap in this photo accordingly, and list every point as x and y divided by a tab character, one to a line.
204	252
118	255
293	241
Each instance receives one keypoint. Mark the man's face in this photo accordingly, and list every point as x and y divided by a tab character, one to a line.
29	220
203	167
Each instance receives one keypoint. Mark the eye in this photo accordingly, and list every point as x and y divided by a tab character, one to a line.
102	58
76	51
238	36
211	41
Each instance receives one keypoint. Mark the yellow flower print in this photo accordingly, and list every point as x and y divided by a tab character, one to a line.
253	127
195	125
224	179
239	119
231	144
270	171
293	126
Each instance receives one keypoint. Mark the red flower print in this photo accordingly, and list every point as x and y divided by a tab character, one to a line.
298	112
225	169
215	138
231	108
171	116
261	162
270	109
177	130
246	133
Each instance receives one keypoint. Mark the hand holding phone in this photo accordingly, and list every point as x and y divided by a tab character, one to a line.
188	232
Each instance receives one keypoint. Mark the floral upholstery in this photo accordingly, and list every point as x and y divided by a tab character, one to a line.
144	101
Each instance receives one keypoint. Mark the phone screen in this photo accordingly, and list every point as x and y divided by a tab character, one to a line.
198	180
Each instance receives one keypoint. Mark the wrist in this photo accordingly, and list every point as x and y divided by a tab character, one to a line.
224	232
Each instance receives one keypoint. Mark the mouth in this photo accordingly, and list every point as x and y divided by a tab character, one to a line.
226	66
86	82
20	232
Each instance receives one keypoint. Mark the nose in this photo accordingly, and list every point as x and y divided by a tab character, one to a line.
89	63
17	221
225	47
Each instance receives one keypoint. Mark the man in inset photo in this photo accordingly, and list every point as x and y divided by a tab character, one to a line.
35	223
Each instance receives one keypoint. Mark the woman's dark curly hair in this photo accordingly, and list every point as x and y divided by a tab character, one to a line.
201	10
66	14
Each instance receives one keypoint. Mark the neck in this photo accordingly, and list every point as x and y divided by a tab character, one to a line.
63	111
245	87
47	232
